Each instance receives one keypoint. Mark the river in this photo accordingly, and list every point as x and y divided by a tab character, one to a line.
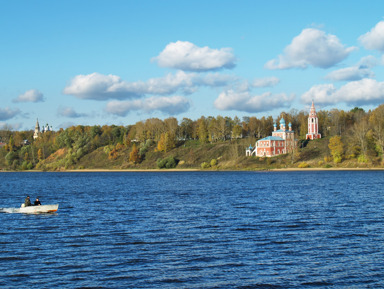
312	229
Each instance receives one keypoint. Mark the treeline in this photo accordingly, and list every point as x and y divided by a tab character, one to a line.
360	135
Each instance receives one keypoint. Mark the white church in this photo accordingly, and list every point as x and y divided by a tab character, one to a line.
44	129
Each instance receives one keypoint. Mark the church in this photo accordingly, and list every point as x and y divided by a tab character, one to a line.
283	140
37	132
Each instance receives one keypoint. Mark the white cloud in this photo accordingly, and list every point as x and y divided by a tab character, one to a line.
8	113
374	39
357	72
102	87
350	73
187	56
312	47
266	82
362	92
69	112
169	105
32	95
244	101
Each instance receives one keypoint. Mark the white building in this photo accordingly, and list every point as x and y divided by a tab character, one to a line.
44	129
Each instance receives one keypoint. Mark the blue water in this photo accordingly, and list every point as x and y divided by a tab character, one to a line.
194	230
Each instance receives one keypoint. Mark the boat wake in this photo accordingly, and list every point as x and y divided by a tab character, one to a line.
9	210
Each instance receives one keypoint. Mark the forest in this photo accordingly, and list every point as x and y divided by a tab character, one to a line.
355	136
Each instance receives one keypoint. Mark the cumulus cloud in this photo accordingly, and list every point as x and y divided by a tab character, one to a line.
312	47
362	92
187	56
98	86
8	113
245	101
69	112
266	82
169	105
32	95
357	72
374	39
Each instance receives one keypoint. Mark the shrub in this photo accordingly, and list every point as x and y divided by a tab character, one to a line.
213	162
303	165
168	163
362	159
205	165
337	159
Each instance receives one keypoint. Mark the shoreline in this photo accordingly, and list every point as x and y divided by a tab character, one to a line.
201	170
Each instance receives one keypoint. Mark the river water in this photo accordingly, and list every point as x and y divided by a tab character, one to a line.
318	229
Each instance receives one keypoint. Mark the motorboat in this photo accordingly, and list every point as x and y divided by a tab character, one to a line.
39	209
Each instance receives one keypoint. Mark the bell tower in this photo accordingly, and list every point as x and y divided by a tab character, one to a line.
313	124
37	130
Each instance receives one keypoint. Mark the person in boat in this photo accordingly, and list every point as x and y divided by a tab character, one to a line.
27	201
37	202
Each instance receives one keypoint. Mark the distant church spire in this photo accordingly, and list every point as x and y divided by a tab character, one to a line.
37	129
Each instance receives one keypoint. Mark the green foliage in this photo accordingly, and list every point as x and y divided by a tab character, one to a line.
168	163
336	147
205	165
10	158
303	165
362	159
213	162
26	166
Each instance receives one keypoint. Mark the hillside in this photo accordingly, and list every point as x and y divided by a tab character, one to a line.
226	155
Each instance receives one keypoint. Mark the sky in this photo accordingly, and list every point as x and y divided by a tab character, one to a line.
119	62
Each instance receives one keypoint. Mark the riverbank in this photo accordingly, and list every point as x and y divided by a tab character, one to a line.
206	170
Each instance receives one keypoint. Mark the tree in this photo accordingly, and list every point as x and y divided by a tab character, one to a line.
237	131
186	129
202	130
161	143
337	148
377	123
11	144
359	134
40	154
134	155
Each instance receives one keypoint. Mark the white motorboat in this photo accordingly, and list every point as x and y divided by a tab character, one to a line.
38	209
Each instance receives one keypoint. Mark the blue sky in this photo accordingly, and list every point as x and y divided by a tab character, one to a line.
119	62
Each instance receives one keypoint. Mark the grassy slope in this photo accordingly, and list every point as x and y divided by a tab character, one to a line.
230	156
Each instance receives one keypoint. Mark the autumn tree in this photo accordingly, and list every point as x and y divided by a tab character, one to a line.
134	155
161	143
40	154
359	137
202	130
377	123
337	148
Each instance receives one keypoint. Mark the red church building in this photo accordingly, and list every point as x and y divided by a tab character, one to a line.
282	141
